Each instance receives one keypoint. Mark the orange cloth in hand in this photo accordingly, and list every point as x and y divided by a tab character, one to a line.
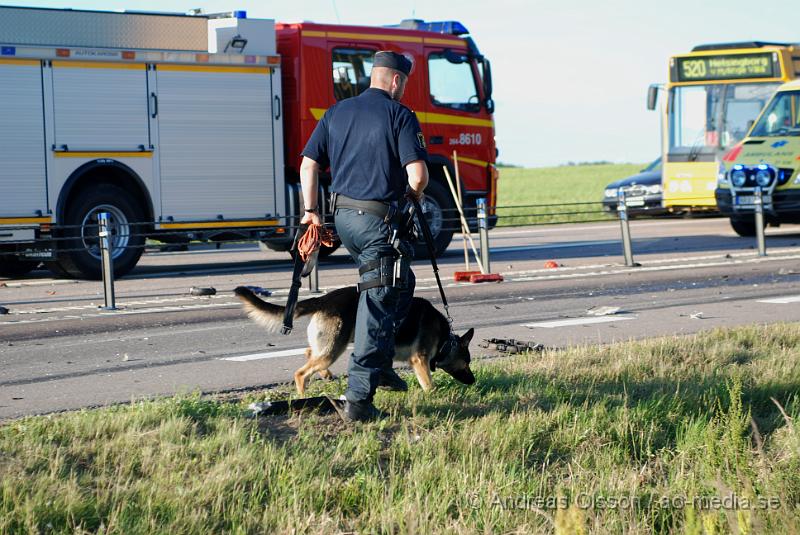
311	240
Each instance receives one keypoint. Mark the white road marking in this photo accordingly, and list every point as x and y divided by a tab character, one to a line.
577	321
781	300
43	282
269	355
272	355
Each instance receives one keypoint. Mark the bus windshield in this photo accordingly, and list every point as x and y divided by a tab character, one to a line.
716	115
781	118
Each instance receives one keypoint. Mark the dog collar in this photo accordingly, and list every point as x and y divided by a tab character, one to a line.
445	351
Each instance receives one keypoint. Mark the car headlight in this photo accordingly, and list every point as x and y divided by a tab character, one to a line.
738	178
763	177
611	192
654	189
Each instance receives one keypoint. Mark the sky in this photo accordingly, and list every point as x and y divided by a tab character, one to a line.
570	77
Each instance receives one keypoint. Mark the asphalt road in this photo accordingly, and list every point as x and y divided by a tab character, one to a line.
60	352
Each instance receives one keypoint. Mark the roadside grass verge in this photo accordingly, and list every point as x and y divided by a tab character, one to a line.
556	186
659	436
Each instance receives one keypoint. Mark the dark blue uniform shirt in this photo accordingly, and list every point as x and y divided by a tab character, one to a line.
367	141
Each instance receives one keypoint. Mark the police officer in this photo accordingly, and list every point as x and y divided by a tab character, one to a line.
375	149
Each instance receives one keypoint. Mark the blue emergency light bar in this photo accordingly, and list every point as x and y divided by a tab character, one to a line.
451	27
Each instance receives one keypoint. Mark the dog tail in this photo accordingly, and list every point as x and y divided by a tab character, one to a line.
268	314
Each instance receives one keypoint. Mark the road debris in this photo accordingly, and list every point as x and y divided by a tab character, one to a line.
551	264
258	290
697	316
510	345
198	291
786	271
603	311
3	310
322	404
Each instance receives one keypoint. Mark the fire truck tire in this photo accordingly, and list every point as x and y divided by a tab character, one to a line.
12	267
442	216
80	255
744	226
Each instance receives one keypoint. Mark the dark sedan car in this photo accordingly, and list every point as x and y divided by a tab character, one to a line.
642	192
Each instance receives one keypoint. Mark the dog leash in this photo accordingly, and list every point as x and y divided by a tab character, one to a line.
294	289
426	233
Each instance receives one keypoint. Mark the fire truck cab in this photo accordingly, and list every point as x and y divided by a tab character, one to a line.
450	90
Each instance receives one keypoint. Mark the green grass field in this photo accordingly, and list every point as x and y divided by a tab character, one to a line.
695	435
556	186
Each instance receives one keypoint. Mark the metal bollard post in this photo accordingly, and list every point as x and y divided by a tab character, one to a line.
483	225
106	250
758	203
622	211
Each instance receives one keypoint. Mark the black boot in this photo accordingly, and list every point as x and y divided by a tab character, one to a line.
391	381
361	411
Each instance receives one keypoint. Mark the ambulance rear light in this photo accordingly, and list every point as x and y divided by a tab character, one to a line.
8	51
62	52
274	60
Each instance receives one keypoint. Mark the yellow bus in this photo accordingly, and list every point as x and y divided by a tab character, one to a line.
714	94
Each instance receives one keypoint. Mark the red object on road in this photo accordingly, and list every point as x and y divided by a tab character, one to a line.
463	276
490	277
551	264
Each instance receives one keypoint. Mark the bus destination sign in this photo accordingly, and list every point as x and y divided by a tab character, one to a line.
726	67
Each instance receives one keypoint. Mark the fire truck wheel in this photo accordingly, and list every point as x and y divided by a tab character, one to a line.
80	252
442	216
12	267
744	226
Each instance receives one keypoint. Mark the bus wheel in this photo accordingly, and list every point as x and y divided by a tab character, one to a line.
744	226
80	252
441	213
13	267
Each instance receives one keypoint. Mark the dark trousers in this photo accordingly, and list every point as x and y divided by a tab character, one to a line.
380	309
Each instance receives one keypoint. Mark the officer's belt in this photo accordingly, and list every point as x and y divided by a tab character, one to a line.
386	211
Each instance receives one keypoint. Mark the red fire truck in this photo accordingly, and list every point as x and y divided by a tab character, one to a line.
191	127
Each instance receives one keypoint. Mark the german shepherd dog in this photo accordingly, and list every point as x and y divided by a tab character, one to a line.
423	337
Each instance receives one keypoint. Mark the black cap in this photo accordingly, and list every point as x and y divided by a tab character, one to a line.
392	60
